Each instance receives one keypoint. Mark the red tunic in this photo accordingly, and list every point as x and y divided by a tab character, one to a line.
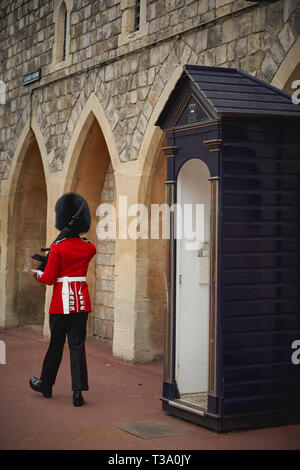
69	257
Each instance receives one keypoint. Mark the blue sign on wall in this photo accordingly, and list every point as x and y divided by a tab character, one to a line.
31	77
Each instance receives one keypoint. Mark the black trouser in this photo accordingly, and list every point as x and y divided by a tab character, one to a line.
73	326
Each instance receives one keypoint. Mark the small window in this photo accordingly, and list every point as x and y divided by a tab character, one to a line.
62	32
137	15
61	56
134	21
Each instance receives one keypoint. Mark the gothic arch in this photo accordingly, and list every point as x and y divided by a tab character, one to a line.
153	135
24	210
92	110
149	270
28	133
290	63
89	166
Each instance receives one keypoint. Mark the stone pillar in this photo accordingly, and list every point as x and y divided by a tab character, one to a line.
127	304
7	314
137	334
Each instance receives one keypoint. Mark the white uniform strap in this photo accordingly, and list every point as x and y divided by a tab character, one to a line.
65	290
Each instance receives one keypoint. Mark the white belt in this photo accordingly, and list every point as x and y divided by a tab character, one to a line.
65	289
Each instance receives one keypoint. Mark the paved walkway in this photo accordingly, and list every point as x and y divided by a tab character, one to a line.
119	393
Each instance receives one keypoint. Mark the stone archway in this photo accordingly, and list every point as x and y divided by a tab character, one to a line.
27	216
150	300
289	70
140	299
295	75
152	265
93	178
90	169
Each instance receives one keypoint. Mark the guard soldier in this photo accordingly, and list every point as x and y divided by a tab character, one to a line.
66	269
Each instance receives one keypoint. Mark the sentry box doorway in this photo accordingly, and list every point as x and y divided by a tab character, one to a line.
233	144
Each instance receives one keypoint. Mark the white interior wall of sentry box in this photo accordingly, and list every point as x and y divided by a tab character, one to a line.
192	280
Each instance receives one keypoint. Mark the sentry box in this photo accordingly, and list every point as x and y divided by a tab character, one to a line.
233	318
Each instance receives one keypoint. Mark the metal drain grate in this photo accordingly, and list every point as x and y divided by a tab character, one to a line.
196	399
150	429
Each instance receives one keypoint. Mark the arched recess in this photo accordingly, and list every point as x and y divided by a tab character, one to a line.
151	298
90	172
24	212
151	265
153	135
289	70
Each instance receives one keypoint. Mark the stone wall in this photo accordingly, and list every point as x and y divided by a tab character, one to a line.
105	263
128	80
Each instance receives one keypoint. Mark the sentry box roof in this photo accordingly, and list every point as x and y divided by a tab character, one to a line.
225	92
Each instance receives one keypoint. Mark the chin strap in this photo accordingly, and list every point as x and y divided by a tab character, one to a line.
75	216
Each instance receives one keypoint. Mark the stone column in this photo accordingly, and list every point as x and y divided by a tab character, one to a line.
125	312
8	317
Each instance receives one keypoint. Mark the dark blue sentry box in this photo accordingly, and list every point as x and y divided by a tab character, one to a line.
233	317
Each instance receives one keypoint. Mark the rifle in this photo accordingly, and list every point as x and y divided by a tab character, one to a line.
63	234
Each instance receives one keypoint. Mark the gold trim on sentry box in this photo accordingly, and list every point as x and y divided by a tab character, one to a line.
213	286
168	320
213	145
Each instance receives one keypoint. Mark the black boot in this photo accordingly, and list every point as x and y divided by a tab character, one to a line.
78	398
38	386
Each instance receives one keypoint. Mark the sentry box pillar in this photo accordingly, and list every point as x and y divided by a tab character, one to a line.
232	326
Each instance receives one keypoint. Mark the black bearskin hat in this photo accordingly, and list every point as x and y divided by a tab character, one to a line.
67	206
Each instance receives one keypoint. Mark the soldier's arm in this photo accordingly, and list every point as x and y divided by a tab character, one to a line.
50	275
